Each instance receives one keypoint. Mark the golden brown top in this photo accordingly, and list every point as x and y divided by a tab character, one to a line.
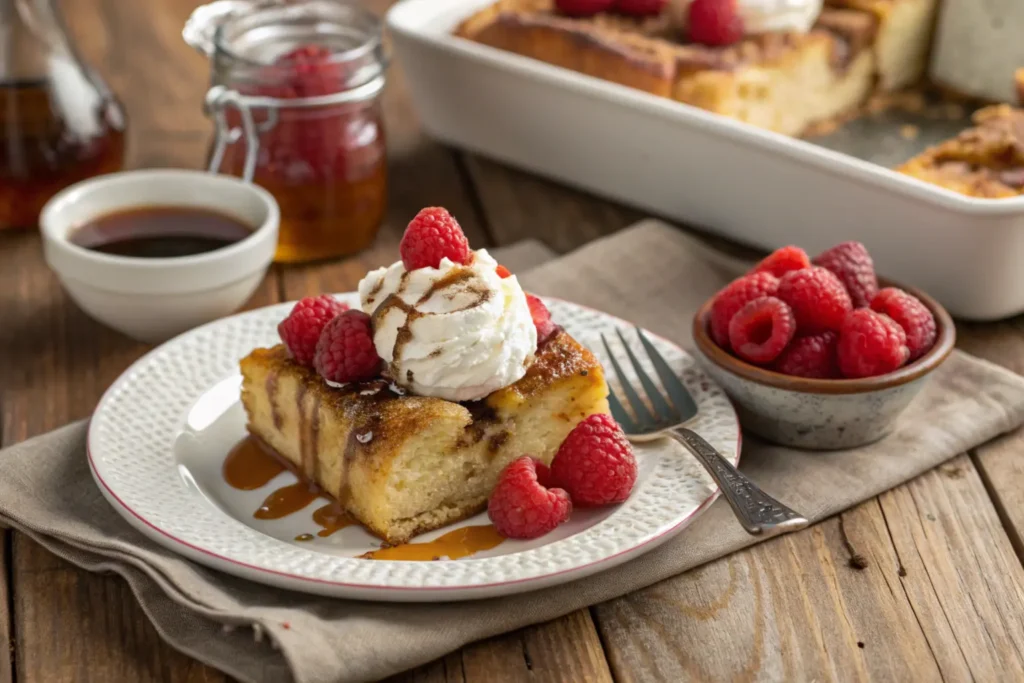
659	41
986	160
376	406
559	357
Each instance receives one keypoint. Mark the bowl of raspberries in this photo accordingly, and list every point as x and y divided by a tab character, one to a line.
817	352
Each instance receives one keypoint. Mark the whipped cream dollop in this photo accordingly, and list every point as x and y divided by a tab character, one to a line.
765	16
768	16
455	332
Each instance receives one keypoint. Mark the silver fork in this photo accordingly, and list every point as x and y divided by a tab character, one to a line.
759	513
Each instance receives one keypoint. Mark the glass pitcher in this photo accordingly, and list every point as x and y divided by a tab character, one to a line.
58	121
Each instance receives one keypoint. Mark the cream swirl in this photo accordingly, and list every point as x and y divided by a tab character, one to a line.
769	16
765	16
455	332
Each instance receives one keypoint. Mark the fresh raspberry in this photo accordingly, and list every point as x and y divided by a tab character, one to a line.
301	330
812	356
345	352
715	22
761	330
522	505
503	272
910	314
541	318
595	463
852	264
432	235
735	296
870	344
583	8
817	297
783	260
640	8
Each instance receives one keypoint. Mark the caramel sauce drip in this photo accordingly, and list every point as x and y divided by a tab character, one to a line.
286	500
331	518
454	545
249	466
305	537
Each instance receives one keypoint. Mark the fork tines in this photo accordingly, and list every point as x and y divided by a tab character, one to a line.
657	412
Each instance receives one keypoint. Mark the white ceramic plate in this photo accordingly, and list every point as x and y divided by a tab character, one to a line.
674	160
160	434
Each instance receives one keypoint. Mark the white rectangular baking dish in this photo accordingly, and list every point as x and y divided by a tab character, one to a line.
677	161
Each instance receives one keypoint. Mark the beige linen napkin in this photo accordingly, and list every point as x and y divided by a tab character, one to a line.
651	274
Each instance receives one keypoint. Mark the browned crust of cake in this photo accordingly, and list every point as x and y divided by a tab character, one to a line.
648	54
1018	78
394	417
985	161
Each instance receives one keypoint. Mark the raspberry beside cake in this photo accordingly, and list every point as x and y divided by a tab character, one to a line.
409	410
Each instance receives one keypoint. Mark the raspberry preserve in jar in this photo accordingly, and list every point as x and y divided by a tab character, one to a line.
295	100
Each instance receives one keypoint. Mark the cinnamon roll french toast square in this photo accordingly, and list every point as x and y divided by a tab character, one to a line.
404	464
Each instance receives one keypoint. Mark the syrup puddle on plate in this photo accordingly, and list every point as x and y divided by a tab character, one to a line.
454	545
250	465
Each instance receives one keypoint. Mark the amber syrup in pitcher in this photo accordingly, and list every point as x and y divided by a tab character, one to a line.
58	122
41	155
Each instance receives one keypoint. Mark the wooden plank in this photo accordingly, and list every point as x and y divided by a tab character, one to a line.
78	627
138	49
966	578
566	649
520	206
999	462
790	609
1000	342
941	595
6	643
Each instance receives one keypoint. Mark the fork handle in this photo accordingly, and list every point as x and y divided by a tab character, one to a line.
759	513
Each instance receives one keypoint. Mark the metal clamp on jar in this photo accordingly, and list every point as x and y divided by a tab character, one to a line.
295	100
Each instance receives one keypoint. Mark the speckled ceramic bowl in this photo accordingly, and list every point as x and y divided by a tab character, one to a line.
821	414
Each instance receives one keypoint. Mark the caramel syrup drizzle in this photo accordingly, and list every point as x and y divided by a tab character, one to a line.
454	545
286	500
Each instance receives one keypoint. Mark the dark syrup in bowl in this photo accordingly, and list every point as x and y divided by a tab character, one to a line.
160	232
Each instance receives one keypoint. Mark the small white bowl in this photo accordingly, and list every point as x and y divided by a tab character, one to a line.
154	299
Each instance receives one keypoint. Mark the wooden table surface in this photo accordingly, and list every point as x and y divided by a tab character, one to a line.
941	595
